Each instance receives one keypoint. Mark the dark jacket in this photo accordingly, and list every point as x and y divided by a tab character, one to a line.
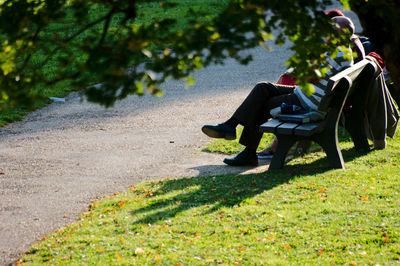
381	115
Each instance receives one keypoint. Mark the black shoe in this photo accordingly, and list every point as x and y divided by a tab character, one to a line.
220	131
242	159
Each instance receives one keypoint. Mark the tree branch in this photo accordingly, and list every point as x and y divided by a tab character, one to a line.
69	76
106	26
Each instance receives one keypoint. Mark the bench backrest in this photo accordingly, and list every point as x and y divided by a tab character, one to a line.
346	81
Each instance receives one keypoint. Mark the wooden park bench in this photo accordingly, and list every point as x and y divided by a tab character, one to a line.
353	80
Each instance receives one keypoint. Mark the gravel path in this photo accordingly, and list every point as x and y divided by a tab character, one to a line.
62	156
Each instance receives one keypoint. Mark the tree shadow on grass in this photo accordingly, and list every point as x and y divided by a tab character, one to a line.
215	192
220	191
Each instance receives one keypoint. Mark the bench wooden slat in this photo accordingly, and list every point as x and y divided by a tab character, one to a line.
270	126
286	128
308	129
293	118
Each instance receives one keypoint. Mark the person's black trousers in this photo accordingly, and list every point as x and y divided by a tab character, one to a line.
255	109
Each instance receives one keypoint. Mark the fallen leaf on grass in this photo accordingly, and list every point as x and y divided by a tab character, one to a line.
121	203
240	249
101	250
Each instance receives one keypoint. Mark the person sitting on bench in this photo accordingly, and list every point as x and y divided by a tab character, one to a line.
265	96
357	45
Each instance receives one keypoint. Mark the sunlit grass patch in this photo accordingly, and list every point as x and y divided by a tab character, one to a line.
303	214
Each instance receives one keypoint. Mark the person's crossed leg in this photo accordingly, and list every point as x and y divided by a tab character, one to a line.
254	111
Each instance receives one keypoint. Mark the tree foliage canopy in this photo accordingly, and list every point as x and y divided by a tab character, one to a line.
126	54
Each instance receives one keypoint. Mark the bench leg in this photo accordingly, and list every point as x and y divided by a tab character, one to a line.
330	145
303	146
284	145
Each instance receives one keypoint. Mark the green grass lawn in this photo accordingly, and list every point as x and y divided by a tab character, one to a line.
303	214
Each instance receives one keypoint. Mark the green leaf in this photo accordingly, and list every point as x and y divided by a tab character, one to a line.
190	81
266	36
308	88
215	36
346	4
139	88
